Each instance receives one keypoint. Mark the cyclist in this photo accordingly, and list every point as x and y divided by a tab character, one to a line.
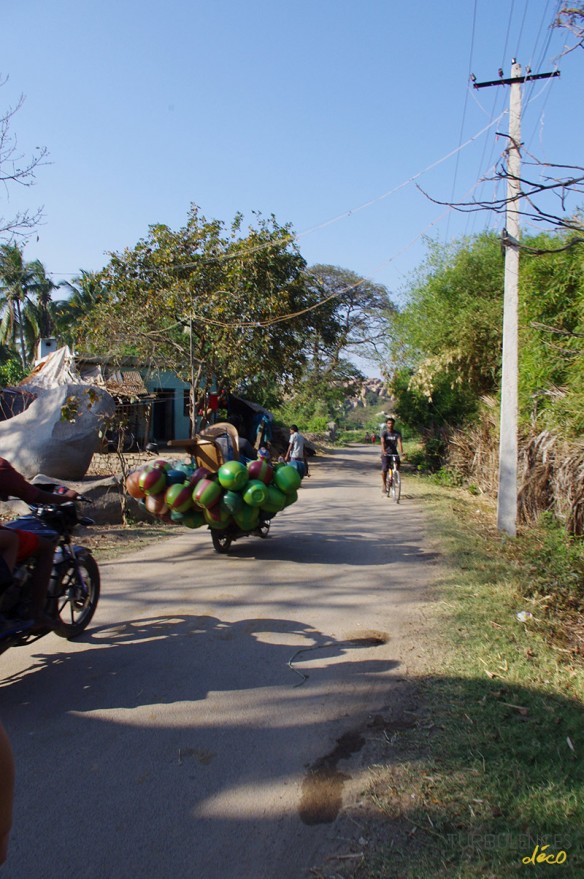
391	442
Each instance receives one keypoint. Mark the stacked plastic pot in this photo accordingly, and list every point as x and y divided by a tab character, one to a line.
236	494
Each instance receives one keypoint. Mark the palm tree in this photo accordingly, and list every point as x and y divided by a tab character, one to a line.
26	302
44	305
17	280
84	292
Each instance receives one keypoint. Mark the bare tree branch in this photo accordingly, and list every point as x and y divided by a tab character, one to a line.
526	203
15	168
539	326
571	18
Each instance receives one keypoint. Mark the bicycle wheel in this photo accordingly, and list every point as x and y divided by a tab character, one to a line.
396	487
73	596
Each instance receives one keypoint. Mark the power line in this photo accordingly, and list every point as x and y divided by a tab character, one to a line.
455	177
344	215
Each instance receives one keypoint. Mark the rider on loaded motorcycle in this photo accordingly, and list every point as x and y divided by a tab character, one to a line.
15	546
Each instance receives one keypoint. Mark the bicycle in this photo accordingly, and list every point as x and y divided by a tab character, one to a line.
393	479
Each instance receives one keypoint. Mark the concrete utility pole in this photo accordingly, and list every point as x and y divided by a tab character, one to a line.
507	495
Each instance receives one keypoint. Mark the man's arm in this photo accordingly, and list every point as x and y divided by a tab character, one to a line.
52	497
13	484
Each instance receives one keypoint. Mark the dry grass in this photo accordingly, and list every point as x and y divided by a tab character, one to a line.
550	470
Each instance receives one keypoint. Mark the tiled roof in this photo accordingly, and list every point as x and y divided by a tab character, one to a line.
126	383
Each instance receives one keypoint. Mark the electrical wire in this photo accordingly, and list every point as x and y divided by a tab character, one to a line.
344	215
487	162
464	109
549	83
521	29
536	52
351	212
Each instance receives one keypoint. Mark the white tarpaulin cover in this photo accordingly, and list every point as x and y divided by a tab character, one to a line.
58	432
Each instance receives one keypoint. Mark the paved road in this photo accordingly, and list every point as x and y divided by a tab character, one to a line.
180	737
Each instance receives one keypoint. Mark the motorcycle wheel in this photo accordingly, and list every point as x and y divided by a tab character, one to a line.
72	603
264	529
221	541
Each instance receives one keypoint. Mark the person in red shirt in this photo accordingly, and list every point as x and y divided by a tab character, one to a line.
16	545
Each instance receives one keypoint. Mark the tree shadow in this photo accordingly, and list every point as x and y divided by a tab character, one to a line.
190	730
488	772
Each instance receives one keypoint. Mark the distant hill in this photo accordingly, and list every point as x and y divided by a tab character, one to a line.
373	393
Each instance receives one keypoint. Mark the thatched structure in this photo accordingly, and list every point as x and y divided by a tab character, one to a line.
550	470
474	452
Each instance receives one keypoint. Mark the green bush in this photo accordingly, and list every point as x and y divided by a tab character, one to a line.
447	476
555	563
11	371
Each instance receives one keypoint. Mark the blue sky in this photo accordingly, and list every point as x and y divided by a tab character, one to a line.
323	112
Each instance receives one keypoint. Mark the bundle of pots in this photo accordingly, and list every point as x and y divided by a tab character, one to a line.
236	494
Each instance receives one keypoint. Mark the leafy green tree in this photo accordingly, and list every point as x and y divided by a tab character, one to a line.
207	302
39	309
26	302
11	371
551	376
348	317
351	318
446	343
319	399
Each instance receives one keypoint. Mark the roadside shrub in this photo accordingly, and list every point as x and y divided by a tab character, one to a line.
555	561
446	476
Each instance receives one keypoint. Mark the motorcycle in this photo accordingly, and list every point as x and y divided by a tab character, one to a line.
74	584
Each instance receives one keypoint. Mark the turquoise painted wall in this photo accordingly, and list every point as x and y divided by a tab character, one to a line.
170	382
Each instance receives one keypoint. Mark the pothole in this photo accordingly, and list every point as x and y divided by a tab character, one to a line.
322	788
366	638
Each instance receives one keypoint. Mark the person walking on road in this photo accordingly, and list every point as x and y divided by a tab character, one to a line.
295	452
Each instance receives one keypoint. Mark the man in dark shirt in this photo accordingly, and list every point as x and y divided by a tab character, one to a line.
391	441
16	545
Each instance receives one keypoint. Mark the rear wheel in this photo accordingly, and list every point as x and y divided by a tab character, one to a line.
264	528
73	596
221	541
